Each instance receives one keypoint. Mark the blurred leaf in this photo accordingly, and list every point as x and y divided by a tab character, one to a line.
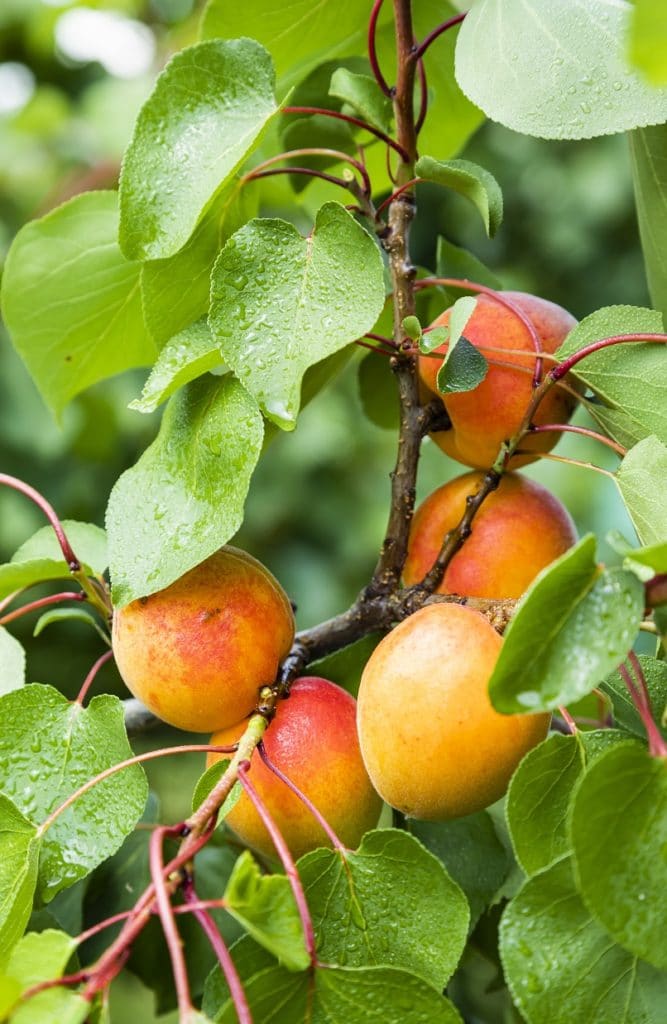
640	479
264	905
648	40
625	712
619	837
463	368
188	355
72	302
229	89
573	625
345	666
631	378
40	957
648	151
389	867
12	662
469	180
538	799
378	391
453	261
48	748
175	291
565	950
18	873
281	302
365	97
471	852
184	498
556	71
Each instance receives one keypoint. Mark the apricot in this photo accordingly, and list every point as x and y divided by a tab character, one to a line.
197	652
433	745
519	529
313	741
492	412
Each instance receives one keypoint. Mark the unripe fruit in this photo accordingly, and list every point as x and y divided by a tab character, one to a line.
433	745
520	528
492	412
313	741
197	652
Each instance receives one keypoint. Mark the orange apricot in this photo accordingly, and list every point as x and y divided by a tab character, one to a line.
492	412
519	529
197	652
313	741
434	746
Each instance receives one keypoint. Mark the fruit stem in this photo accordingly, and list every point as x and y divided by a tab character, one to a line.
168	921
372	52
641	699
565	459
68	553
43	602
618	339
569	720
323	112
90	678
550	428
438	31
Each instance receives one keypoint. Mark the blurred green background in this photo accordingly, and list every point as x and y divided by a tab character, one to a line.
72	77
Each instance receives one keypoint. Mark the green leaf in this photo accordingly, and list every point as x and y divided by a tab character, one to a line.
57	615
469	180
184	497
364	95
390	868
299	36
12	662
538	799
40	557
18	873
561	966
471	852
264	905
648	152
72	302
641	478
210	106
625	712
653	559
616	423
412	327
556	71
619	838
378	392
631	378
463	368
48	748
54	1006
188	355
573	626
434	339
175	291
207	781
281	302
40	956
648	40
453	261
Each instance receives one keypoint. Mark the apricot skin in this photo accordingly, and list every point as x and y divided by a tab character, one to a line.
313	740
197	652
492	413
519	529
433	745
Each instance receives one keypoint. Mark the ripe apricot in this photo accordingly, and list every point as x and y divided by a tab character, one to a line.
433	745
197	652
519	529
492	412
313	741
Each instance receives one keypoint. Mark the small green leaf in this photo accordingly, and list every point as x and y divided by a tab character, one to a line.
538	799
556	71
453	261
390	865
412	328
264	905
629	378
48	748
207	781
573	626
619	838
184	498
463	368
40	956
550	945
210	105
57	615
461	312
652	559
188	355
625	712
640	479
648	152
648	40
469	180
18	873
282	302
72	302
40	558
12	662
434	339
364	95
